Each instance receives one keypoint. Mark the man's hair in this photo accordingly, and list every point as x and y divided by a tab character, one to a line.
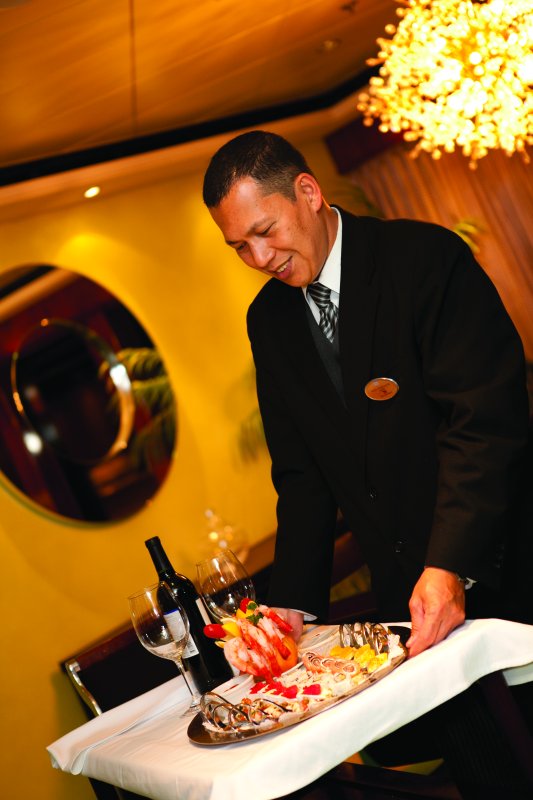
266	157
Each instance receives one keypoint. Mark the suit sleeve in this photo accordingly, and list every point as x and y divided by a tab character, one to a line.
306	509
473	368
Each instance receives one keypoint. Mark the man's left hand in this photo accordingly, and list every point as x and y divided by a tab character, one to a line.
437	606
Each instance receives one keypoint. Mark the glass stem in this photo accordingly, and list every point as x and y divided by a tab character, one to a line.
196	697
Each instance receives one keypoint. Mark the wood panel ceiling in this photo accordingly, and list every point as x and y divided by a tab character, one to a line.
78	74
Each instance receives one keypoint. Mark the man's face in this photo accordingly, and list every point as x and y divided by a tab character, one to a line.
282	238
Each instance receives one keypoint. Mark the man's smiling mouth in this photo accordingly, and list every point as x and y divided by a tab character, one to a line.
280	270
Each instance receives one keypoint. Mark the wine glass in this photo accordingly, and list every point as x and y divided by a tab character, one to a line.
163	634
223	583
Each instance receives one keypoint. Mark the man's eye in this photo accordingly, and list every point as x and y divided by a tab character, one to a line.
240	247
265	232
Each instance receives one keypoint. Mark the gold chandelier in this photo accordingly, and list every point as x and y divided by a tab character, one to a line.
456	73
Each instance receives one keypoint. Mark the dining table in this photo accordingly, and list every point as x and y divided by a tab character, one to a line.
144	745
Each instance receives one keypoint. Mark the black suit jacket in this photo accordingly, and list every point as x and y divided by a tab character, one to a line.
425	478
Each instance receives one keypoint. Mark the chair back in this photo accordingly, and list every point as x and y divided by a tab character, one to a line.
351	596
111	671
114	669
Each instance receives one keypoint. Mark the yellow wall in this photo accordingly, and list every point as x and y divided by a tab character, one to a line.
63	584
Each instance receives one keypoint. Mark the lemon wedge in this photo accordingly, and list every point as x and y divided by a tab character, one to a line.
231	627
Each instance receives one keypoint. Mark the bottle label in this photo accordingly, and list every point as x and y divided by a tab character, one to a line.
177	629
203	611
175	624
190	648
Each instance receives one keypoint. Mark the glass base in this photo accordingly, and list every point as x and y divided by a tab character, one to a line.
194	707
192	711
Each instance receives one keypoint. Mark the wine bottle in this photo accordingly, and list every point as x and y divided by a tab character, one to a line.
204	661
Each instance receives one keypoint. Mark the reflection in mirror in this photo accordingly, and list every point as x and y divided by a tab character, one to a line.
87	413
64	373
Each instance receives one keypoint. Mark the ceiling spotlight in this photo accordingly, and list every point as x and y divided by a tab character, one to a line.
33	442
93	191
328	45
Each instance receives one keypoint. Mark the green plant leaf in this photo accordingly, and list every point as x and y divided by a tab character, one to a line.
469	230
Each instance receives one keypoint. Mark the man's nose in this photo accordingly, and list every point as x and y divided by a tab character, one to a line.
262	254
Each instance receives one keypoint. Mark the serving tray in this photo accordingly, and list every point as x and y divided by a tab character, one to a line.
200	735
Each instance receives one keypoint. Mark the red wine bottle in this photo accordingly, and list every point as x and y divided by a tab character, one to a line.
203	660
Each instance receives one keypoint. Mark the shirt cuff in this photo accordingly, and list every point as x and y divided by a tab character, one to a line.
307	616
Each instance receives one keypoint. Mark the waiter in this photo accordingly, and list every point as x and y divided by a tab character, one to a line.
391	385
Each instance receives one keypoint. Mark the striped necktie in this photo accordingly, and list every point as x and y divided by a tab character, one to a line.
328	310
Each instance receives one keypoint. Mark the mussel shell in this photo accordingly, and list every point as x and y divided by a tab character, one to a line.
230	717
357	634
216	710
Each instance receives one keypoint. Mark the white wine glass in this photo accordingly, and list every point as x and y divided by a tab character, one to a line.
163	634
223	583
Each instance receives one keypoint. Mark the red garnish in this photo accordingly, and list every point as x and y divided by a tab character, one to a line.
258	687
290	692
215	631
315	688
244	604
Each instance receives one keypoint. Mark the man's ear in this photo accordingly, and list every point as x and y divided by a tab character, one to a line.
306	186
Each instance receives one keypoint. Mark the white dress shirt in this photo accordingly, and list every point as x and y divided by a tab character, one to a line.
330	274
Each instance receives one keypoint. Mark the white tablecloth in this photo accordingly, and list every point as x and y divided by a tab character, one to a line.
143	745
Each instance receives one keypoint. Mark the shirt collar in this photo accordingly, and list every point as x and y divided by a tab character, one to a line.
330	274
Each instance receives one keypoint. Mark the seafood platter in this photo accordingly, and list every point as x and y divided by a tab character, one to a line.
282	685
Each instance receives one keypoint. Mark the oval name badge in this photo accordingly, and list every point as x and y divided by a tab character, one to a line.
381	388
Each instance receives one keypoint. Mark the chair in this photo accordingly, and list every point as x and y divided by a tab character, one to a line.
111	671
351	597
115	669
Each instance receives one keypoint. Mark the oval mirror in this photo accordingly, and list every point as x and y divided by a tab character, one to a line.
88	422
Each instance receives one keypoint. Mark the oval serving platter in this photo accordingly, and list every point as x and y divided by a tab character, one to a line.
200	735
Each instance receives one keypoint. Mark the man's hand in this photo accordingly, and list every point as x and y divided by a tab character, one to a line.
437	606
295	620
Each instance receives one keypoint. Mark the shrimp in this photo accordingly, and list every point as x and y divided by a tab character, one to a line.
274	636
282	624
246	660
256	640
